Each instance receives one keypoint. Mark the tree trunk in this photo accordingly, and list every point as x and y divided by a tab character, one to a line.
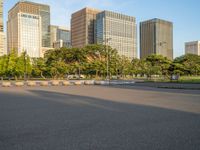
41	74
16	78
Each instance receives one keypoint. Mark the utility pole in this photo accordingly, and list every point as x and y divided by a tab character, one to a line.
107	53
107	58
25	67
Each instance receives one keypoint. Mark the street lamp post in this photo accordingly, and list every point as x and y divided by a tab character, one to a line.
107	60
25	67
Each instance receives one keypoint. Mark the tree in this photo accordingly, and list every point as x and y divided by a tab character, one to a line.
176	68
3	65
124	66
159	65
190	62
135	67
22	66
96	60
78	59
39	67
11	64
58	69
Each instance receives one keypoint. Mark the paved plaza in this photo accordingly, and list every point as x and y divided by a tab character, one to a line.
99	118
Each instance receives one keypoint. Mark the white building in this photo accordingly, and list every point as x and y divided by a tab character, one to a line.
29	34
192	47
2	44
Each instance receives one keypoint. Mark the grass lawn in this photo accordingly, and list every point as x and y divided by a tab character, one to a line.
189	79
182	79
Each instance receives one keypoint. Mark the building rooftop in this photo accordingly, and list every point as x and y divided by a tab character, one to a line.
157	20
29	2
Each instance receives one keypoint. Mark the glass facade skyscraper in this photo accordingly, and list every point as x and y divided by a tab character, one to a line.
60	35
44	12
64	34
120	30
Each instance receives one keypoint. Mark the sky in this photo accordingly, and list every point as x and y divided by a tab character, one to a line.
185	14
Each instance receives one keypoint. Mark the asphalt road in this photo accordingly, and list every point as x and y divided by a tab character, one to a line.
99	118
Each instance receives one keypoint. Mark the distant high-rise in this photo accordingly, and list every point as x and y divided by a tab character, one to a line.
28	28
1	15
156	37
192	47
117	31
2	34
60	37
83	27
44	12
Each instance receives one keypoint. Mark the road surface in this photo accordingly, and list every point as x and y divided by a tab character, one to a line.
99	118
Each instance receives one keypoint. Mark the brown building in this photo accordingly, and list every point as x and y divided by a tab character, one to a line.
156	37
83	27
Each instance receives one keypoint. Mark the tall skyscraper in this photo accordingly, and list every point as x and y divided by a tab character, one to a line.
2	34
156	37
60	37
83	27
28	28
118	31
1	15
192	47
44	12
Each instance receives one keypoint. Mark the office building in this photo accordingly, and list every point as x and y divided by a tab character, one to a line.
192	47
1	15
44	11
60	37
61	43
28	28
3	46
83	27
118	31
2	34
156	37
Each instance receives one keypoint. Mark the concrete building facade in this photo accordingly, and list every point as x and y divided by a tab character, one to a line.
1	15
156	37
120	30
2	34
83	27
60	37
28	28
192	47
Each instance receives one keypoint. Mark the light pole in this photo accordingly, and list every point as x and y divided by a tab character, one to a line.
107	60
25	67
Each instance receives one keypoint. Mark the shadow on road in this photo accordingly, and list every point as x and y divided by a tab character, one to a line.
55	121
